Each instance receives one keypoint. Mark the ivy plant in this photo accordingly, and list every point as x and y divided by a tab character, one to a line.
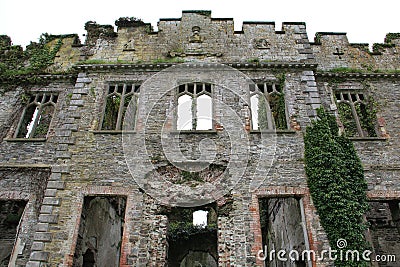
336	181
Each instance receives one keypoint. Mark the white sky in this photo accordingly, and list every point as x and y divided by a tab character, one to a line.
364	21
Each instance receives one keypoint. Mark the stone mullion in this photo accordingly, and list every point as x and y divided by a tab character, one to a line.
36	119
121	108
355	117
270	120
20	121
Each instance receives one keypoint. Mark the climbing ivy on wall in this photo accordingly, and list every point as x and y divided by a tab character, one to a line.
336	181
279	107
34	60
262	113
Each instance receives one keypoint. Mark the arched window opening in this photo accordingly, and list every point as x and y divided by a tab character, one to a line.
185	120
200	218
204	112
356	114
36	116
194	110
117	100
268	111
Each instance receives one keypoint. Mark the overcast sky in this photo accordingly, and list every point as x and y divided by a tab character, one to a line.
364	21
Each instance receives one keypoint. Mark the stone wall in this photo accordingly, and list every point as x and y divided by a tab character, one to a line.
27	186
78	160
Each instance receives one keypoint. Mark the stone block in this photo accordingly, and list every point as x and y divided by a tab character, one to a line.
73	127
42	227
78	103
37	246
56	185
63	155
45	237
48	218
83	80
76	97
51	201
46	209
63	133
55	176
60	168
39	256
33	264
82	91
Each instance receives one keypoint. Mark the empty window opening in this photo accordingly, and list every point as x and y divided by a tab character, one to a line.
10	216
384	229
282	228
356	114
117	100
268	109
185	120
100	231
194	110
204	113
200	218
36	116
192	237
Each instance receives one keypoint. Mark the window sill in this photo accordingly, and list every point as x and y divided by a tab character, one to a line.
272	132
23	140
380	139
194	132
113	132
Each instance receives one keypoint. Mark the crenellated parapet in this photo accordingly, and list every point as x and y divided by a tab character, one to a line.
198	37
333	51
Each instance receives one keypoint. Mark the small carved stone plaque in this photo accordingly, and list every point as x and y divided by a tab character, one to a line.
261	44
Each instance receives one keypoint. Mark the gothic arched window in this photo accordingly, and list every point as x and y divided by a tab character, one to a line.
268	111
117	100
194	107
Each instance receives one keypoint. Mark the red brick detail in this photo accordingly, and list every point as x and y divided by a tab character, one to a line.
383	194
109	191
280	191
382	127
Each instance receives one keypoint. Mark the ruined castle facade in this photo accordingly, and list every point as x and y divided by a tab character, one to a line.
108	153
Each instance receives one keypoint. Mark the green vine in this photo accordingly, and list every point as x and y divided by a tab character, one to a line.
379	48
366	113
19	67
317	38
25	98
262	113
111	113
336	181
185	230
391	36
278	104
281	81
191	176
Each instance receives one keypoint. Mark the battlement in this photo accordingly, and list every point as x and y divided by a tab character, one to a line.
197	36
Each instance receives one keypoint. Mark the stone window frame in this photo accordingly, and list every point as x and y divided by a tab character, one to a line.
267	89
183	89
40	100
352	98
120	89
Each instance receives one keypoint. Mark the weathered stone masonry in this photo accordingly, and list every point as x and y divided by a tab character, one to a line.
78	164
